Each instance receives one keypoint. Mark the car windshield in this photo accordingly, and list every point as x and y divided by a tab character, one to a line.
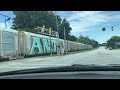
43	39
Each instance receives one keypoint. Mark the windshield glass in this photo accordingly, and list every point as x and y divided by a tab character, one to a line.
42	39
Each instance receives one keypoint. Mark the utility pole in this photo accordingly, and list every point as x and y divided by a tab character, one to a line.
58	49
65	47
6	19
51	48
5	23
64	34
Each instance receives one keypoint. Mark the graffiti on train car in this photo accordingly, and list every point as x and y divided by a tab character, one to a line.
43	45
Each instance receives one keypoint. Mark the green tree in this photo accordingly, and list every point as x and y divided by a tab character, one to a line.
112	42
31	19
73	38
87	40
28	20
65	24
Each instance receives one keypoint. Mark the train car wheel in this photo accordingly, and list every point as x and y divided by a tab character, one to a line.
26	56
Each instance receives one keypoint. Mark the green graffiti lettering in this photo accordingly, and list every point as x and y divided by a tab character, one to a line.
54	42
46	45
36	43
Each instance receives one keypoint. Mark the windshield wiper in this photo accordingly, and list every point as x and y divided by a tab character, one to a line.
75	65
72	68
114	65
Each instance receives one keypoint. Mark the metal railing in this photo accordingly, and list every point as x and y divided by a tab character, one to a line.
44	31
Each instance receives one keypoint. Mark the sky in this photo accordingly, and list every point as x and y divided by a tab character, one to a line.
86	23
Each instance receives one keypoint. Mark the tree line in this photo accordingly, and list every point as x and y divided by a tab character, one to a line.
85	40
114	42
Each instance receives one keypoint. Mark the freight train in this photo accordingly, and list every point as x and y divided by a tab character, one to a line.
15	44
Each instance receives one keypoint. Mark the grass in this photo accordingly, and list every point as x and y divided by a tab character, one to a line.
117	49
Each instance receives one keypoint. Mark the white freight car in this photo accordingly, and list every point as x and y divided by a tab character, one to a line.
32	44
20	43
8	43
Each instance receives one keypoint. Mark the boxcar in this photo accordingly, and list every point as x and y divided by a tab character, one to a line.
8	43
32	44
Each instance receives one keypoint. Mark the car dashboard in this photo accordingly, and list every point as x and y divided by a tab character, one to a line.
67	75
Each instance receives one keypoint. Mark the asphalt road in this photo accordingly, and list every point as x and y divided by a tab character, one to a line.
97	56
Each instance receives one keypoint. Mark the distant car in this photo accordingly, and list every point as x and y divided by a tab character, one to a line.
110	48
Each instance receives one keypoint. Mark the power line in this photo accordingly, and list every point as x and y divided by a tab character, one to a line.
4	15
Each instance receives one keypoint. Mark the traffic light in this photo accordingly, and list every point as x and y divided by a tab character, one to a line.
103	29
8	19
112	28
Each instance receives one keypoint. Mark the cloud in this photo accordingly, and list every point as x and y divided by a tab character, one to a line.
82	21
82	14
3	25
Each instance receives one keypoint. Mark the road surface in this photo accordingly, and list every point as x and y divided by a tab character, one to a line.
97	56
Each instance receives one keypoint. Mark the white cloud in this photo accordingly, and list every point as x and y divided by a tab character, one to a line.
82	14
3	25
